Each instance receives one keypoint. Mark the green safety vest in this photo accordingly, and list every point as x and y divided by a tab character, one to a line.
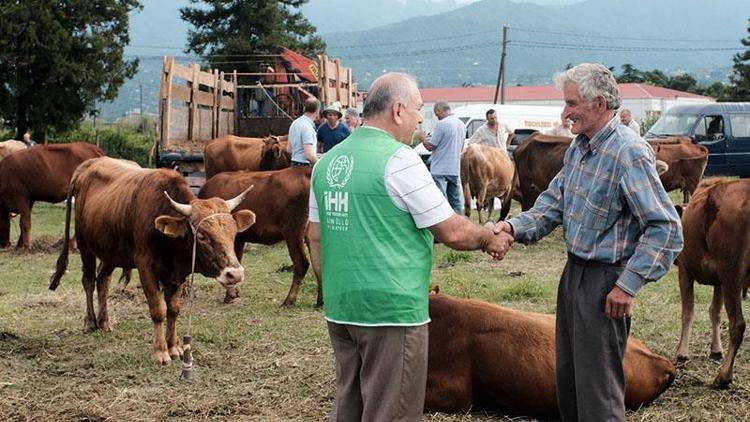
376	263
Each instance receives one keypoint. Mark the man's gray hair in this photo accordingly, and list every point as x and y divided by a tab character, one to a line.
441	106
387	89
352	112
593	80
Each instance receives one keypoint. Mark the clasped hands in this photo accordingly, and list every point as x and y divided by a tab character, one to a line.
500	241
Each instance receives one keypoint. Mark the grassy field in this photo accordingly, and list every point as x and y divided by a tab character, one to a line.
258	361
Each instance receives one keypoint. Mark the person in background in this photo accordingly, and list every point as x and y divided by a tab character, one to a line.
302	136
626	118
351	118
621	231
446	144
373	212
332	131
562	128
27	140
492	132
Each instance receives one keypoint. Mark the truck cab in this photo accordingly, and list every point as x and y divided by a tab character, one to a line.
723	128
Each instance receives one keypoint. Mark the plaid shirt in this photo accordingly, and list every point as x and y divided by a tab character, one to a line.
612	206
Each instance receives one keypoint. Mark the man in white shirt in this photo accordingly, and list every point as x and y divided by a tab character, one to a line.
627	119
303	137
492	133
446	144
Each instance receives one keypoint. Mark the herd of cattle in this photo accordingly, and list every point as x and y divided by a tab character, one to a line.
147	219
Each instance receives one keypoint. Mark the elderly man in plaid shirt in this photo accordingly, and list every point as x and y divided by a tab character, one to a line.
621	231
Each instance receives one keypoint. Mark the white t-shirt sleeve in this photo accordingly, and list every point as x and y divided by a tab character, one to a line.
313	216
412	189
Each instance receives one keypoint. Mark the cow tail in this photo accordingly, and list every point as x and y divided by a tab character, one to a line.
505	207
62	260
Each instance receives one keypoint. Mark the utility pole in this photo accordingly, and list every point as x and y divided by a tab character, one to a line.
501	72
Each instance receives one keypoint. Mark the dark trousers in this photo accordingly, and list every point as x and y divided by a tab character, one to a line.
590	346
381	372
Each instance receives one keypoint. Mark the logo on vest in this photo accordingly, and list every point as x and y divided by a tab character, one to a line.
339	171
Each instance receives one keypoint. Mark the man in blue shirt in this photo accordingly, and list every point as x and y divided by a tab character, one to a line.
302	137
446	144
332	131
621	231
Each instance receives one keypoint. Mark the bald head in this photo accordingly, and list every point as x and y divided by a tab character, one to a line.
390	88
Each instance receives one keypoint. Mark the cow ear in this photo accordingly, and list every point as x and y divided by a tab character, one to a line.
244	219
171	226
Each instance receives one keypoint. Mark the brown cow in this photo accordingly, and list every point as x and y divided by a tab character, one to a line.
41	173
131	217
686	161
539	159
10	146
485	356
486	174
716	253
233	153
280	201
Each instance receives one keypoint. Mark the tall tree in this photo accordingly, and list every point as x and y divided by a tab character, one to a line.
739	88
630	74
227	32
58	57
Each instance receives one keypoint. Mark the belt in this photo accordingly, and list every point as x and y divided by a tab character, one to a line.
591	263
300	164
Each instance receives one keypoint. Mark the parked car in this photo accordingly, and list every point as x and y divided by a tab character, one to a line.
724	128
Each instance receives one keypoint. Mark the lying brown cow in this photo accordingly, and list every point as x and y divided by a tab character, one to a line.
485	356
717	253
233	153
41	173
131	217
686	161
9	147
486	174
280	201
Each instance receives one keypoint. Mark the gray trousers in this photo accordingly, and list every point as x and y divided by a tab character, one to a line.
590	346
381	372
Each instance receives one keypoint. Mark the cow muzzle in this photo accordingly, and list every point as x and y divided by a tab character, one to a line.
231	275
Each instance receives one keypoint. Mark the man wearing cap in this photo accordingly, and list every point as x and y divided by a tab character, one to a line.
331	132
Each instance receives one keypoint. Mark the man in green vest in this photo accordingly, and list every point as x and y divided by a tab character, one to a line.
374	209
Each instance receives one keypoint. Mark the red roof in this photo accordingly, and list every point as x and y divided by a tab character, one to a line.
485	94
308	68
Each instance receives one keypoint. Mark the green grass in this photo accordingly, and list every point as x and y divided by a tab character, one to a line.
258	361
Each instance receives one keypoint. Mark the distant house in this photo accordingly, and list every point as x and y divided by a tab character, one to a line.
644	101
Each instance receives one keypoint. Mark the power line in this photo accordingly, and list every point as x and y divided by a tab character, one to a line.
411	41
590	35
611	48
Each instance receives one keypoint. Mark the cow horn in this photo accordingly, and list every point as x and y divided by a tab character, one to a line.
184	209
234	202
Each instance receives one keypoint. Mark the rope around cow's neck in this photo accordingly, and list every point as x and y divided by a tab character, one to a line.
187	361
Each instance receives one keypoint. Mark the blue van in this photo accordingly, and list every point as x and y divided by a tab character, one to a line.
724	128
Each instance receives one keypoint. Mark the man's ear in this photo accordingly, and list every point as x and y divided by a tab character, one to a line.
171	226
396	112
244	219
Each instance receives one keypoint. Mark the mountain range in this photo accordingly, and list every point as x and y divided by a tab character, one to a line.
457	42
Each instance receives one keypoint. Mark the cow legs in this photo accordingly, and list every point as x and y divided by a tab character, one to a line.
467	199
4	228
714	313
300	263
481	196
24	209
733	304
158	310
173	298
319	301
687	296
88	279
103	280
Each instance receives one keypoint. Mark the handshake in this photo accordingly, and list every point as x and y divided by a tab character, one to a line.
499	240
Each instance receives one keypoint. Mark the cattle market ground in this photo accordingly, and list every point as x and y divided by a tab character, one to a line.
258	361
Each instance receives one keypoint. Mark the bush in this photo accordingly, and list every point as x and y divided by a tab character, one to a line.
118	140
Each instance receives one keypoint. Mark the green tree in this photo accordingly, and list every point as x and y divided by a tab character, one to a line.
739	80
630	74
227	32
682	82
57	58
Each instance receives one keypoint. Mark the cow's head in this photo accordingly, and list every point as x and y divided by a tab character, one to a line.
215	229
274	154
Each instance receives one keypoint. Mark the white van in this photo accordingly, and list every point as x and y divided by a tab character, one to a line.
541	118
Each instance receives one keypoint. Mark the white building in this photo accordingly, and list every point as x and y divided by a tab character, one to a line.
644	101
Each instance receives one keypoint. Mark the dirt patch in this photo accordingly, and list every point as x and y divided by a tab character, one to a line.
47	244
